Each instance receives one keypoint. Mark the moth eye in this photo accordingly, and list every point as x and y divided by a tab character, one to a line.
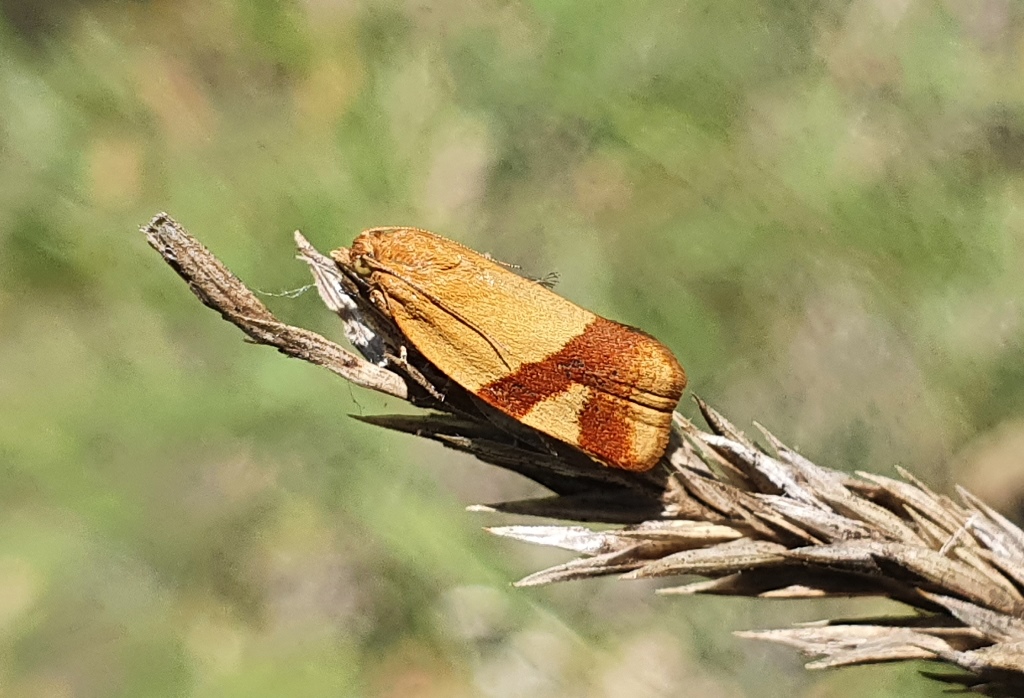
361	267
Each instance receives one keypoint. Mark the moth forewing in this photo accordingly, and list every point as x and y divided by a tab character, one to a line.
600	386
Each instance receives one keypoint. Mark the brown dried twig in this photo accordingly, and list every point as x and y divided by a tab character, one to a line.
751	520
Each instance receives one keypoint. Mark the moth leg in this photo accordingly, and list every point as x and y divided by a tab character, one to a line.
379	300
402	361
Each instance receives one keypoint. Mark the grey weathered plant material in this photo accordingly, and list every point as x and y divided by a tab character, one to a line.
752	520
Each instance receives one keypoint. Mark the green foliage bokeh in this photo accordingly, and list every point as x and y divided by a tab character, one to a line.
818	206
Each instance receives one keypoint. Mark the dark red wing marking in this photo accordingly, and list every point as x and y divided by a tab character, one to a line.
606	356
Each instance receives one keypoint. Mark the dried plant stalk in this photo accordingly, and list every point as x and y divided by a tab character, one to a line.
751	520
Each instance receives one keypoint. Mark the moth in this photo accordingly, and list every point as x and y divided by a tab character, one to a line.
605	388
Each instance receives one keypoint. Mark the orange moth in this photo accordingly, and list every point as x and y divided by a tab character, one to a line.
605	388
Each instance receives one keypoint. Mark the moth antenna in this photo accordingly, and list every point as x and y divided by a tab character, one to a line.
548	281
507	265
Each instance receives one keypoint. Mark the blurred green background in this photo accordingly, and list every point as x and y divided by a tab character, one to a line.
818	205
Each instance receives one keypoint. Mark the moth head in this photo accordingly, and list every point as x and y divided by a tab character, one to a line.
362	256
360	266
